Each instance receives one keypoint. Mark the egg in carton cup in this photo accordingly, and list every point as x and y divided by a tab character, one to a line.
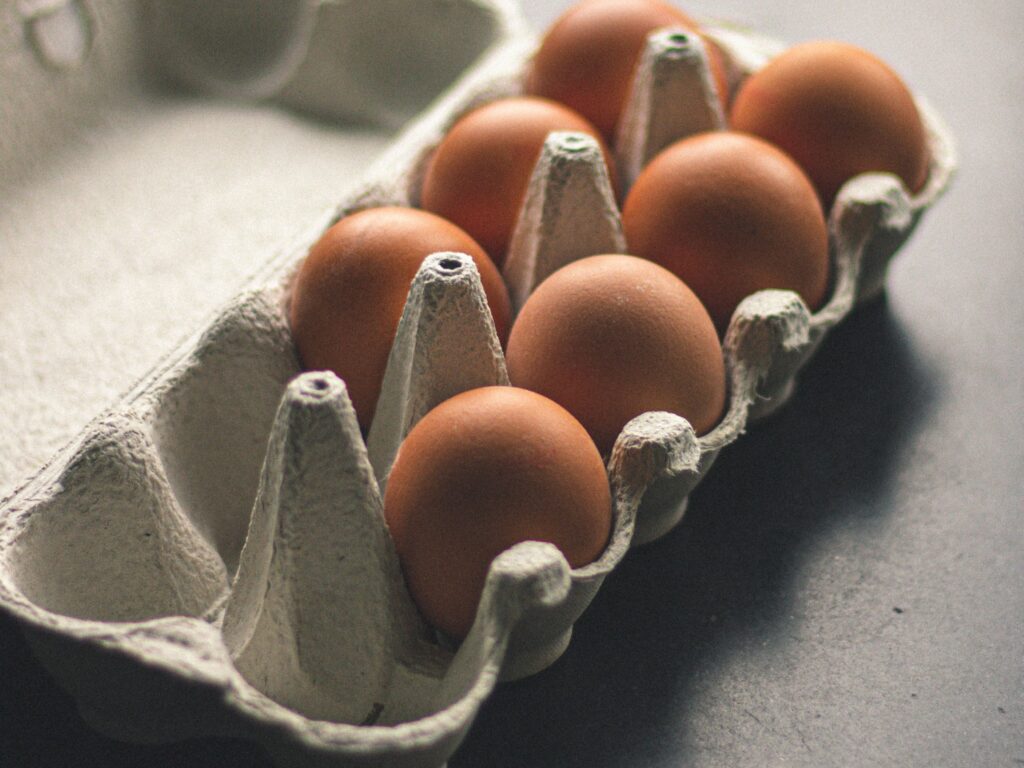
173	605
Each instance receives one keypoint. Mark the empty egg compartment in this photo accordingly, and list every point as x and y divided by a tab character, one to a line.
110	543
275	592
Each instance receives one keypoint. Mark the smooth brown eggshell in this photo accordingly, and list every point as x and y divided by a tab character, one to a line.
730	215
588	57
481	472
610	337
839	111
479	174
350	292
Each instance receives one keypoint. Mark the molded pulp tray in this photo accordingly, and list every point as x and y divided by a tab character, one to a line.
209	556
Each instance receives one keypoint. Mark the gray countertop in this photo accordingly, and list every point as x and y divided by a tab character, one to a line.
848	585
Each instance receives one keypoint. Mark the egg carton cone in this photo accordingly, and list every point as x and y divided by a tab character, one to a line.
210	557
673	95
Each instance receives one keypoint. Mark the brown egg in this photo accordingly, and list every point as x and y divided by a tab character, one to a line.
478	176
350	292
483	471
838	111
730	215
588	57
610	337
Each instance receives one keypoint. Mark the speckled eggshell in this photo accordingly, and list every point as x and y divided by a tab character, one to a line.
479	174
730	215
839	111
485	470
350	291
610	337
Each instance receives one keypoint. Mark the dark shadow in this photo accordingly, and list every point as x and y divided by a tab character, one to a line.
40	726
672	611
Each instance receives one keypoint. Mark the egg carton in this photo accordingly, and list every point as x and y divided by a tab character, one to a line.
210	557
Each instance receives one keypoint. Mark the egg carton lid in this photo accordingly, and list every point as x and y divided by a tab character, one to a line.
138	196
